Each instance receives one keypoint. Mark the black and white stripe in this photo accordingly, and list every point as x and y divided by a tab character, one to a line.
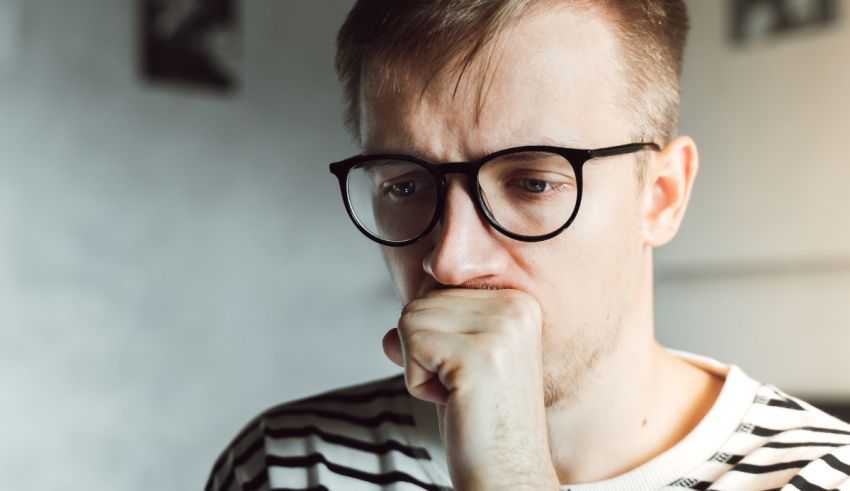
376	436
782	444
297	438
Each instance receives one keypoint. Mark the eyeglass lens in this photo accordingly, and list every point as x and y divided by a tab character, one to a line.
526	193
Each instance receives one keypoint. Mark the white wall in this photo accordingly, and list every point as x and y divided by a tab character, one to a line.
172	262
760	274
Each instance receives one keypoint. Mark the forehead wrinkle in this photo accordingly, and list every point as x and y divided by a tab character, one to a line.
491	67
435	124
518	70
422	130
420	124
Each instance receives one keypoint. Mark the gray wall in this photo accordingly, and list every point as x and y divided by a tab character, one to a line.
760	274
172	262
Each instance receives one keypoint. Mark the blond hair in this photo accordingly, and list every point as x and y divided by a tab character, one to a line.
390	38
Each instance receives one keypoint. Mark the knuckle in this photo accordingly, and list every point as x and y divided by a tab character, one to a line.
415	340
411	307
413	379
523	307
453	376
505	325
494	354
417	345
412	315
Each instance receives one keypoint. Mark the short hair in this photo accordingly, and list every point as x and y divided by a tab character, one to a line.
428	37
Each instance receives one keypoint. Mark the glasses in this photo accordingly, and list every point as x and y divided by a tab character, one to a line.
529	193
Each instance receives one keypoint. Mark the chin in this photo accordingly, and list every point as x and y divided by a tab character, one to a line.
569	360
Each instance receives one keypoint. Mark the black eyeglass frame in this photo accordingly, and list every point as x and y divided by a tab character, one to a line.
576	158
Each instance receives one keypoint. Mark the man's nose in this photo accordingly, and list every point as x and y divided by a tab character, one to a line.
465	248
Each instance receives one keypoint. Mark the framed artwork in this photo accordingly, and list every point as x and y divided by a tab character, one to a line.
756	20
192	43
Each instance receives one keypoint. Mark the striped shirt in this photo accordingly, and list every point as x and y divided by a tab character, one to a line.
376	436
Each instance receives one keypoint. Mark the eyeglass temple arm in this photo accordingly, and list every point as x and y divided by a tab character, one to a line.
623	149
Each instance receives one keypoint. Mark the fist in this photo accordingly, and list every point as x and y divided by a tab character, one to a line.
477	355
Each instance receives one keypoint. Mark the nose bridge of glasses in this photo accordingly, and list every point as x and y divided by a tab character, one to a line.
465	168
469	169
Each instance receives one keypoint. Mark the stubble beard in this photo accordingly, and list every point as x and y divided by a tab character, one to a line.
569	360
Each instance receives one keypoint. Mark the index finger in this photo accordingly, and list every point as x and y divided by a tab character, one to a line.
484	293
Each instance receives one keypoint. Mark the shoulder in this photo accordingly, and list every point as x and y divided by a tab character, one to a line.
817	444
347	433
829	471
785	441
776	415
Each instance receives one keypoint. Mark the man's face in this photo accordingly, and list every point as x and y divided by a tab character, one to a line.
554	83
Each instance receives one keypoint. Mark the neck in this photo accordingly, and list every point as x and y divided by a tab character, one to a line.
635	404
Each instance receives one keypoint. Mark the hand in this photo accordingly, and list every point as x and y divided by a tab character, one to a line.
477	355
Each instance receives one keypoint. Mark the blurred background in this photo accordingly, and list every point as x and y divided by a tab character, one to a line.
174	256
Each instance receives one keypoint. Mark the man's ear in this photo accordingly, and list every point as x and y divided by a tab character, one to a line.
667	189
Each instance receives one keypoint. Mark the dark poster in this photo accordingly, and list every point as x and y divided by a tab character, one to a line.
755	20
190	42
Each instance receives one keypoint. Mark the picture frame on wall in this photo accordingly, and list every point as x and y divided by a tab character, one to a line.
190	43
759	20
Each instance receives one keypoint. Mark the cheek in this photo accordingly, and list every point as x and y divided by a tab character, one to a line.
583	276
405	267
609	221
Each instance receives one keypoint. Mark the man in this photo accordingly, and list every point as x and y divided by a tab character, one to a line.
519	166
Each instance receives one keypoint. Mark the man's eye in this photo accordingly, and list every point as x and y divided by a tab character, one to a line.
404	188
535	185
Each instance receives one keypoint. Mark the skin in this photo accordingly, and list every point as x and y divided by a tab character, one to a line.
540	358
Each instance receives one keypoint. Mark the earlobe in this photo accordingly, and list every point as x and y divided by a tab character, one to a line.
670	179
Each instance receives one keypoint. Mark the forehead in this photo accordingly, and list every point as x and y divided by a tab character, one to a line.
550	78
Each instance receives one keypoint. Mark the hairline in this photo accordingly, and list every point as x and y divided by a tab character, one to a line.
463	61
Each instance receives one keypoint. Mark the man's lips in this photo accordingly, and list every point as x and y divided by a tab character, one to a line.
472	285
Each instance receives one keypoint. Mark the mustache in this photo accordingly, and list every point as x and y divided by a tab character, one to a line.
470	285
475	285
